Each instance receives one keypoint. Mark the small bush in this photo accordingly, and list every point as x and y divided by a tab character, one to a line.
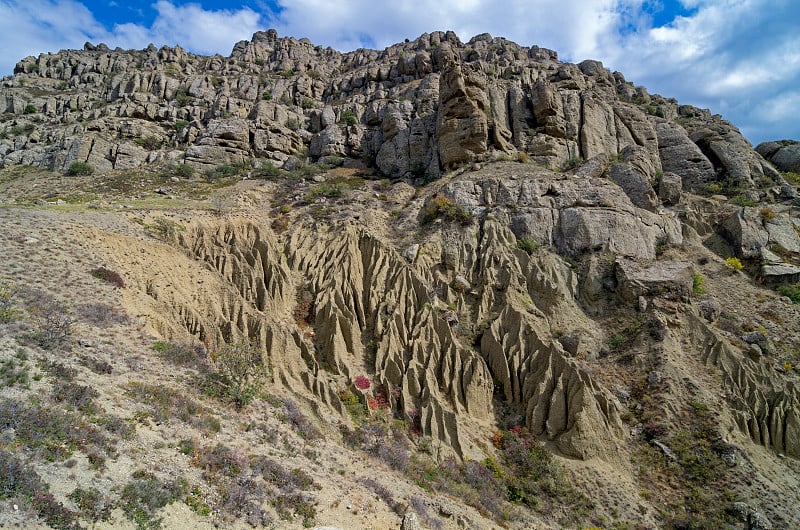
767	213
164	229
349	118
30	108
143	496
741	200
107	275
220	460
53	324
267	170
363	382
186	355
180	125
323	189
184	171
151	143
240	371
77	396
100	314
443	207
80	169
733	264
8	298
573	162
220	172
529	246
792	291
92	504
698	284
266	95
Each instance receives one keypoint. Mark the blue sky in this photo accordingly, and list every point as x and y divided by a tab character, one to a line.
740	58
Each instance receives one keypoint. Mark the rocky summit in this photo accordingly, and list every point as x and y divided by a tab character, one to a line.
441	285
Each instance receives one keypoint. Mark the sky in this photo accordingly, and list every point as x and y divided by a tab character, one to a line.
739	58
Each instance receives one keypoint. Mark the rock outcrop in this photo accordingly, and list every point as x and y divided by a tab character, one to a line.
411	110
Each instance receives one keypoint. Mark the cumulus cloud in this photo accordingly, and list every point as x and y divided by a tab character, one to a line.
740	58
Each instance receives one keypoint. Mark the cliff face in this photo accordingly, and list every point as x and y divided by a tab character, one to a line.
510	241
412	110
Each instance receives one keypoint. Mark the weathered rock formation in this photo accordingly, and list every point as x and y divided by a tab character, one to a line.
410	110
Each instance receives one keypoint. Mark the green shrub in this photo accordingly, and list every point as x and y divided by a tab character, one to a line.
240	371
30	108
80	168
219	172
349	118
266	95
792	291
528	245
741	200
151	143
792	178
184	171
573	162
324	189
180	125
698	284
183	97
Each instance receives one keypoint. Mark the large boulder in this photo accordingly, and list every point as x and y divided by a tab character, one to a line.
784	155
669	279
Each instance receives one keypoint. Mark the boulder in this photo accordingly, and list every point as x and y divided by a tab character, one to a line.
669	188
784	155
668	279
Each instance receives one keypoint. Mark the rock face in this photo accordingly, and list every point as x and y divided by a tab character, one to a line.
411	110
784	155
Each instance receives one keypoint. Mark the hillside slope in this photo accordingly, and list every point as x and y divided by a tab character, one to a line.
466	285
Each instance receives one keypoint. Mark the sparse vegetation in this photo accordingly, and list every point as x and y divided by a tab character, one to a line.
145	494
80	169
444	207
30	108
